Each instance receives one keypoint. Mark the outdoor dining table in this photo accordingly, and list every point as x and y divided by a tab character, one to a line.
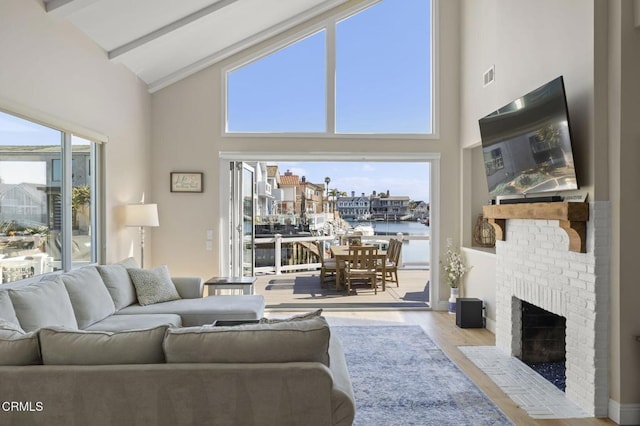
341	254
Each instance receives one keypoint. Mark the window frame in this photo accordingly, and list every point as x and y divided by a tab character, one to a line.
69	130
329	26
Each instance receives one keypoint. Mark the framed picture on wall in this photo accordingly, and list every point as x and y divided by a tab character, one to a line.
186	182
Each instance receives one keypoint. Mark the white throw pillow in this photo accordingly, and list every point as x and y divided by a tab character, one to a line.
80	347
153	285
41	304
6	308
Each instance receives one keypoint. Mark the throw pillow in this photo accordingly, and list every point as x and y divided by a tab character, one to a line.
80	347
17	347
89	297
118	283
153	285
298	317
6	308
293	341
8	328
45	303
129	262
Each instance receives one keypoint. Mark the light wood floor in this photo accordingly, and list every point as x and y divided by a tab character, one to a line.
440	326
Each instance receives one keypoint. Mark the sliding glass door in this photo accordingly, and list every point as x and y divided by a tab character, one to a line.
242	213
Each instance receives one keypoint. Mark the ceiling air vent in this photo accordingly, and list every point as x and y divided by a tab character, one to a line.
489	76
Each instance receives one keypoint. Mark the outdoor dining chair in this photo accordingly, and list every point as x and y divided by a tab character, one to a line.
392	260
362	266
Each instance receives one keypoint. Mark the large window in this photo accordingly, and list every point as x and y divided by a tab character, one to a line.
47	199
270	98
369	72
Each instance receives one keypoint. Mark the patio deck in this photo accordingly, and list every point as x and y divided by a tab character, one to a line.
302	290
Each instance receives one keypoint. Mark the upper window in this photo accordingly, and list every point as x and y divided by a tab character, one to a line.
367	73
282	92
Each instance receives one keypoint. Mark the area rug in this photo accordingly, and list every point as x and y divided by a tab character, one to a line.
400	377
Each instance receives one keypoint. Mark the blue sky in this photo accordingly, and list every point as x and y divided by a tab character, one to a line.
383	77
411	179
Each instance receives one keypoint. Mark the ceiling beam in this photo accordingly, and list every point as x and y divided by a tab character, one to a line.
147	38
67	7
228	51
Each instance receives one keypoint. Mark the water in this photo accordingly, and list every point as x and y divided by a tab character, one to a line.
412	251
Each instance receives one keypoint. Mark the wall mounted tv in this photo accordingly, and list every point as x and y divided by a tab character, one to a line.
527	144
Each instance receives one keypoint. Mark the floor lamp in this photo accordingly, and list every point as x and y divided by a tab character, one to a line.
142	215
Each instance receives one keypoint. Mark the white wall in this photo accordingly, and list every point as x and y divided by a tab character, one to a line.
186	135
530	43
480	281
51	68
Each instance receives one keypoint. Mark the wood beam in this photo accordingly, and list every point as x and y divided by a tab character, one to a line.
572	219
173	26
67	7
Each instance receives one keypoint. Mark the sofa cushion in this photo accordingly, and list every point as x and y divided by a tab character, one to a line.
206	310
6	308
293	341
153	285
90	298
17	347
135	322
45	303
118	282
60	346
299	317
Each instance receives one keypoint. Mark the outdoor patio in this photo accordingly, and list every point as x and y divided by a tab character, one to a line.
302	290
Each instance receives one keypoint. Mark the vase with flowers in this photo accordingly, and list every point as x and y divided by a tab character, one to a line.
454	269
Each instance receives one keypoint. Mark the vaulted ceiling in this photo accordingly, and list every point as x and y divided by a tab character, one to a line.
164	41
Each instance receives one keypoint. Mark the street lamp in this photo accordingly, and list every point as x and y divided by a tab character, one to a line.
326	181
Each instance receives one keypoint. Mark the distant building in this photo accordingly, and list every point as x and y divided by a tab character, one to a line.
387	207
354	207
289	184
299	195
24	204
273	179
421	210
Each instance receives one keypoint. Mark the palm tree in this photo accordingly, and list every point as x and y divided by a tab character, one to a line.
80	196
335	193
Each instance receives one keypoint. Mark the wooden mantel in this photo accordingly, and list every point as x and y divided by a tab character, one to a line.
573	219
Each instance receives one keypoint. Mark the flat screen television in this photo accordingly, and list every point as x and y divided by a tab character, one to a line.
526	144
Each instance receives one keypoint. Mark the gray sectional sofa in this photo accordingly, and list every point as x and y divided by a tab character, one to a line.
82	348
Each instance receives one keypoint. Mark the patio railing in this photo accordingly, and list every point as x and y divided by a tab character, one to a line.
297	252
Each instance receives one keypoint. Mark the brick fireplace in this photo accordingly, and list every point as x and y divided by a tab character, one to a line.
534	265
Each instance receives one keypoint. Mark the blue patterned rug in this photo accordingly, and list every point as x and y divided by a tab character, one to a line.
400	377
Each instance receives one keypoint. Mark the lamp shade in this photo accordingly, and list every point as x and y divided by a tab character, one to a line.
142	215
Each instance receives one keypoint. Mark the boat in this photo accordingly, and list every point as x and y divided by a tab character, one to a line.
365	230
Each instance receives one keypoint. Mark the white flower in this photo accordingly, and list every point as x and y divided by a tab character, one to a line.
454	267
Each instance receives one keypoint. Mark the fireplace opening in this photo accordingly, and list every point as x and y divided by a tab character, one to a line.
543	343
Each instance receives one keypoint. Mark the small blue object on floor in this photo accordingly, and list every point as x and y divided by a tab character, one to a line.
400	377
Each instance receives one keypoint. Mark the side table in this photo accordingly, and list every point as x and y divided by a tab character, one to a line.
221	285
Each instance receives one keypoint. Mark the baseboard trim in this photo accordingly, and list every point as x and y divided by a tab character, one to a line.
624	414
490	325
